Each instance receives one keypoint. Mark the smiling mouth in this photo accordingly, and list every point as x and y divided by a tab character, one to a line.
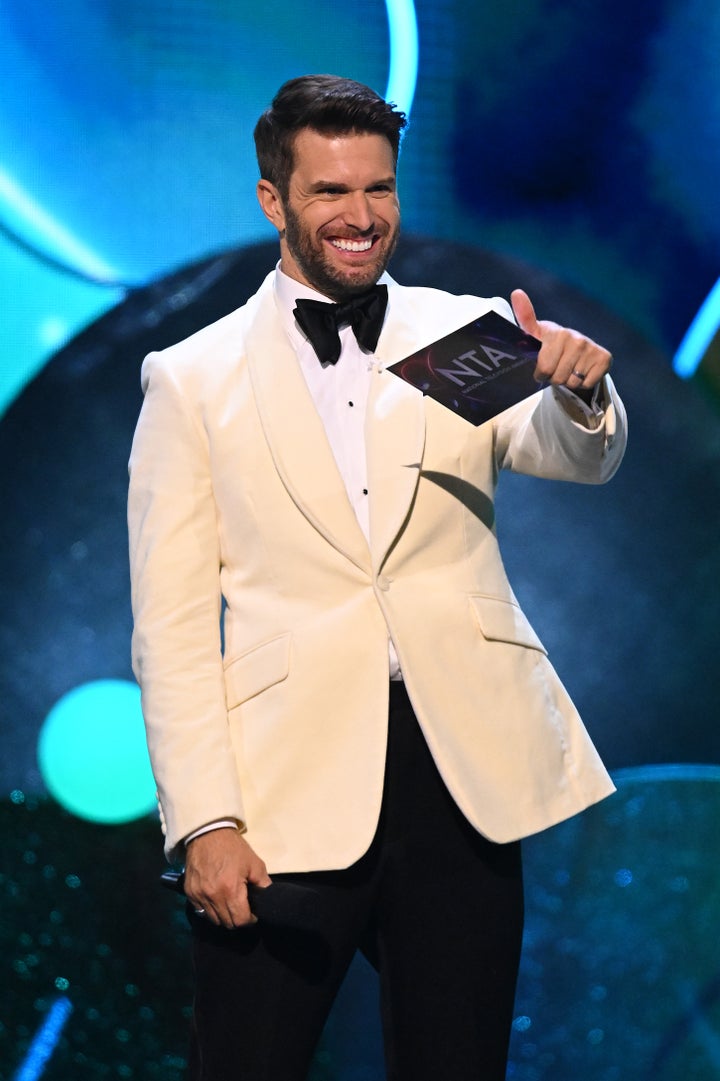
342	244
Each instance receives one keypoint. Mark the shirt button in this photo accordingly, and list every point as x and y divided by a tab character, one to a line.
384	583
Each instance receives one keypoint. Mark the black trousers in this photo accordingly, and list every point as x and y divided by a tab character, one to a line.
435	906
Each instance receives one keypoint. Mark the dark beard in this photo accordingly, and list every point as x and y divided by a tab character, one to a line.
321	275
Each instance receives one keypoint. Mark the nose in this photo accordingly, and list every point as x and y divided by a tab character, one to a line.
358	211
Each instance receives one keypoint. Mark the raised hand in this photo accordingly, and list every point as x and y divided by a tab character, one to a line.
566	357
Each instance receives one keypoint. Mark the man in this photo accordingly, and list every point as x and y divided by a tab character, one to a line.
378	720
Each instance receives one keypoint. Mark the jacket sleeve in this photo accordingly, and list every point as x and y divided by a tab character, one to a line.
538	436
176	599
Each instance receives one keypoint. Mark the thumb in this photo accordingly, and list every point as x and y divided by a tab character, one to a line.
524	312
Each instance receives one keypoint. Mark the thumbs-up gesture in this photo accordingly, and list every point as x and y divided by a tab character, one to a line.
566	357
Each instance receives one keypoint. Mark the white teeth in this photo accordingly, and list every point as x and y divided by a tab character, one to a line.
352	245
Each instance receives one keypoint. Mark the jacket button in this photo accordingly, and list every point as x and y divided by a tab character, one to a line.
384	583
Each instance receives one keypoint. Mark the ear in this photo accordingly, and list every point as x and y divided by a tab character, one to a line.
271	204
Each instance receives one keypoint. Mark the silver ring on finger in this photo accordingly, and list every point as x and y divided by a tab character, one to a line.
578	375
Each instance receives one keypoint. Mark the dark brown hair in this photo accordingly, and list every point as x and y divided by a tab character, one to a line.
325	103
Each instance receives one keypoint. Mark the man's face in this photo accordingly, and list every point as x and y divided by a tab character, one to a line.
339	224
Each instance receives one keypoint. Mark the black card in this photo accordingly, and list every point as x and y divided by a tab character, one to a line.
478	370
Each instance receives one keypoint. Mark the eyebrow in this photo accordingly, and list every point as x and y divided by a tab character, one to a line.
320	185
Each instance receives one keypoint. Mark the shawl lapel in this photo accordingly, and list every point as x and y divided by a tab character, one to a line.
395	433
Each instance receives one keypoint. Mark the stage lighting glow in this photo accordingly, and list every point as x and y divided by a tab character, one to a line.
93	756
403	30
700	333
38	226
45	1041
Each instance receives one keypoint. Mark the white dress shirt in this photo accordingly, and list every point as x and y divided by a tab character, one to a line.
339	392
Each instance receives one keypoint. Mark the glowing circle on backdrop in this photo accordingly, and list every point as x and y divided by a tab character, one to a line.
92	753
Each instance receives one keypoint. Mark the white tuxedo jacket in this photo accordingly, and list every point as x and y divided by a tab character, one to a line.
281	720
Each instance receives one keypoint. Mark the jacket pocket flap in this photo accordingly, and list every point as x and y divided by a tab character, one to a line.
504	621
256	670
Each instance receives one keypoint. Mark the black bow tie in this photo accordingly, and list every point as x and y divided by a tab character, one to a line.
321	321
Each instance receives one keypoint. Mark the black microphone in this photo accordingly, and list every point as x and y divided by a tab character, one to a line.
281	904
